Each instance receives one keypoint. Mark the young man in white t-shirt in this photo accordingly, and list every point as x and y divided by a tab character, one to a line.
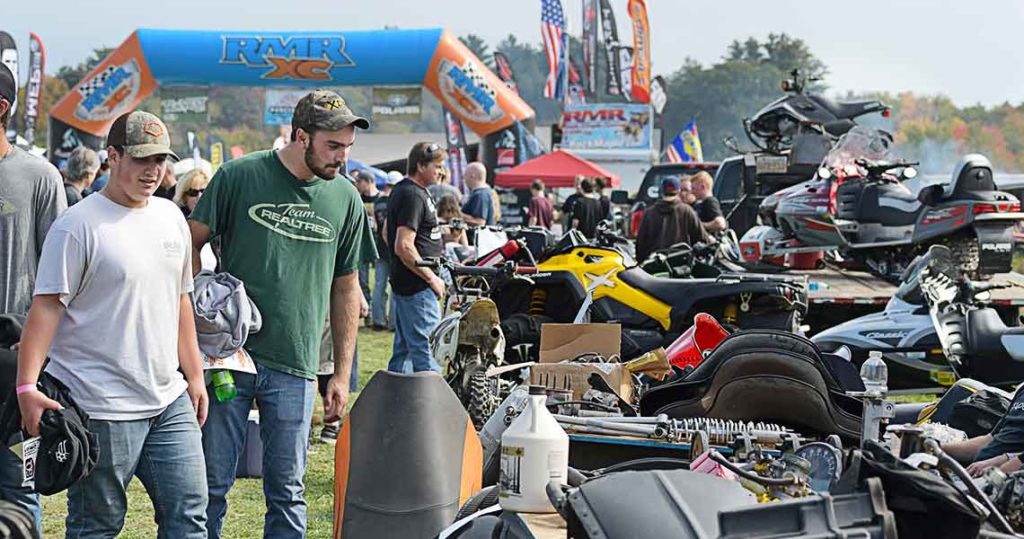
111	306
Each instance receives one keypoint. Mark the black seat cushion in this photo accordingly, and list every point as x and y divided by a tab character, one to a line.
843	110
889	204
671	291
404	459
767	376
985	331
975	178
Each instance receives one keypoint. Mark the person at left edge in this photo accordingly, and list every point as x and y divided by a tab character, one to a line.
112	311
30	201
295	232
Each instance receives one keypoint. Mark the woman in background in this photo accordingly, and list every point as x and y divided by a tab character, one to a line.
190	187
186	194
449	216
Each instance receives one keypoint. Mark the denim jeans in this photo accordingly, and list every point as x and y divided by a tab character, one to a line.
286	411
415	317
379	302
166	453
364	279
11	475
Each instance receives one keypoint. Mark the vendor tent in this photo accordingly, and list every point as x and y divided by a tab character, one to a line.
557	169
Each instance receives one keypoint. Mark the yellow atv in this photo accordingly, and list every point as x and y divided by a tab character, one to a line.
653	311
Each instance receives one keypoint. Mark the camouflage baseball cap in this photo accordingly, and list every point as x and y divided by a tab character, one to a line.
142	134
327	111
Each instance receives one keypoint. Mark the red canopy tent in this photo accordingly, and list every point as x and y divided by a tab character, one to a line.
557	169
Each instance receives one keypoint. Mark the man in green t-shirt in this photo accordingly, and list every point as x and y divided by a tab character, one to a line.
295	235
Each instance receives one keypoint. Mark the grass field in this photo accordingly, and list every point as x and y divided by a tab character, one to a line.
246	501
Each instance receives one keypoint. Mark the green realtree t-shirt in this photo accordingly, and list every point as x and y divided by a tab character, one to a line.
286	239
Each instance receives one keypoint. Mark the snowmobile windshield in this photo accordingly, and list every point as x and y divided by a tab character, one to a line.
871	145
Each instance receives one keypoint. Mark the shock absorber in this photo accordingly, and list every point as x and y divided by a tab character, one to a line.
538	299
729	313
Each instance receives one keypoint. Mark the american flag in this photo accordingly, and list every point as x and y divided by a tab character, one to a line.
552	25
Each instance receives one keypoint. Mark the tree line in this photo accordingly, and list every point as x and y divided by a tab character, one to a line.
719	95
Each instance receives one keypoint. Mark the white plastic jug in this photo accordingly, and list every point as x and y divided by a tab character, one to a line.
534	452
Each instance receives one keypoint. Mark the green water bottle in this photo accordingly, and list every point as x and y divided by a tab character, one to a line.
223	385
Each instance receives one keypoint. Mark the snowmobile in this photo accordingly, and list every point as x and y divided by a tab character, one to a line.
856	206
775	127
911	342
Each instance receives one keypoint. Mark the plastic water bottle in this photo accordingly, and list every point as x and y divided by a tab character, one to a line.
534	452
223	385
875	373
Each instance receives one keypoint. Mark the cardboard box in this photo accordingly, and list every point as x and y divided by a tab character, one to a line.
560	342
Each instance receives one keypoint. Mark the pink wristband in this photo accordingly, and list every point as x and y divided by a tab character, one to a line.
25	388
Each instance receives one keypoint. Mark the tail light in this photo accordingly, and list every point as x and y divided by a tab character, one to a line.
1009	207
886	113
634	221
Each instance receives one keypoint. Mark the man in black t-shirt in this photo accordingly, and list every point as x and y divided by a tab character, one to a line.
588	211
708	208
570	203
413	235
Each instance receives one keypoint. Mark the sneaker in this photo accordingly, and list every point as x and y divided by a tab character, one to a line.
329	434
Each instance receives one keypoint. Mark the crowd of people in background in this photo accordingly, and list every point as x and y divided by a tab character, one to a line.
306	246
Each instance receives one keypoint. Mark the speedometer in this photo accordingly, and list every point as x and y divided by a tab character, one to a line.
826	464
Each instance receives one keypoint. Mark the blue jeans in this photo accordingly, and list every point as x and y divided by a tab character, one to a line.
379	303
166	453
364	279
286	411
415	317
11	475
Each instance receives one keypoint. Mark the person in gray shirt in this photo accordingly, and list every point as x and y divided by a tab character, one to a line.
81	171
31	197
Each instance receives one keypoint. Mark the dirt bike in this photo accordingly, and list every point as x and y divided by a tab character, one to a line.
468	341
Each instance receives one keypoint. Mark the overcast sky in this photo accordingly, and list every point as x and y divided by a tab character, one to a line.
970	50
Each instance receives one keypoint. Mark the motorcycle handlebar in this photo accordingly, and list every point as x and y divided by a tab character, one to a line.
979	288
477	271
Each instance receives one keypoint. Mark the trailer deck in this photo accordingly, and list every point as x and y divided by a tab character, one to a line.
833	285
837	295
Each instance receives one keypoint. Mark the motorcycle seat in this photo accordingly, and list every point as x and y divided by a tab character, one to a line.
671	291
766	376
843	110
890	204
986	332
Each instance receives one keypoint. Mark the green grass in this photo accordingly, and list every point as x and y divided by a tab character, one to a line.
246	503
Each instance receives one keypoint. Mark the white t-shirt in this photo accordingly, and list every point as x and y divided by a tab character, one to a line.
121	273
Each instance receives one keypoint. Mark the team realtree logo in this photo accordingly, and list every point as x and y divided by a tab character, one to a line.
295	221
300	58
